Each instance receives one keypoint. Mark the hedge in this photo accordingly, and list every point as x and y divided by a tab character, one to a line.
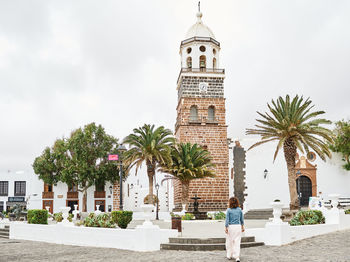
307	217
122	218
37	216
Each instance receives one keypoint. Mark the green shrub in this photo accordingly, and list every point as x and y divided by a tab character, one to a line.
347	211
217	215
37	216
307	217
102	220
58	217
188	216
174	215
122	218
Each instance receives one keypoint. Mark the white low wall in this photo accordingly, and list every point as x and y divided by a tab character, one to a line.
139	239
277	234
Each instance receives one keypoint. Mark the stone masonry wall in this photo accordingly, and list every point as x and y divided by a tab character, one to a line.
116	198
213	136
239	185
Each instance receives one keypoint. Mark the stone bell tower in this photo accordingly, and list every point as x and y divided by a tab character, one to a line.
201	114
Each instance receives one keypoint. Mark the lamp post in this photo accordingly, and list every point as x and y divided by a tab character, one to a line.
157	188
265	173
121	149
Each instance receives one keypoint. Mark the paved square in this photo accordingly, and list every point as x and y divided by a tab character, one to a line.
334	247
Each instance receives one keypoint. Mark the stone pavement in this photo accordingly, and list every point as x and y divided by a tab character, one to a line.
334	247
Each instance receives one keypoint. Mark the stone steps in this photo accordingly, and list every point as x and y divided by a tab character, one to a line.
259	214
205	244
5	232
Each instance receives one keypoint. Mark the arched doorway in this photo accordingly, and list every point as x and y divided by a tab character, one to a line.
304	189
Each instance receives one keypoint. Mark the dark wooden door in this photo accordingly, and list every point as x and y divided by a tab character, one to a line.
71	203
48	203
304	189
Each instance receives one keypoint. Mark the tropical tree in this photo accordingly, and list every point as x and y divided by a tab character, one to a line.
152	146
342	142
294	126
188	162
80	160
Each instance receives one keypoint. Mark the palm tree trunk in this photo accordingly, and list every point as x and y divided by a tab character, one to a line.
290	151
185	186
150	172
85	200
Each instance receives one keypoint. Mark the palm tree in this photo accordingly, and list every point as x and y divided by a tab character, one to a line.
294	126
151	145
188	162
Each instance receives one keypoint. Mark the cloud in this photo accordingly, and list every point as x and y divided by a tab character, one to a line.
64	64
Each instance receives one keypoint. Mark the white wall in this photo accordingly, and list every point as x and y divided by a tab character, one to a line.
139	190
331	178
33	186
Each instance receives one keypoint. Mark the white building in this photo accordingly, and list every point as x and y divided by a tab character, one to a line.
25	188
330	176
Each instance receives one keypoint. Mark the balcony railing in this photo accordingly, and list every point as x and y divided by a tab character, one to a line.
72	194
194	120
201	70
48	194
100	194
211	120
200	39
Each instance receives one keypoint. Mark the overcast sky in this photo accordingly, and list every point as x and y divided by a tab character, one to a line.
64	64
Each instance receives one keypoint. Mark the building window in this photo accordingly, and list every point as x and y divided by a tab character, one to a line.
211	113
4	188
189	50
1	206
193	113
189	62
20	188
202	48
202	62
214	63
73	188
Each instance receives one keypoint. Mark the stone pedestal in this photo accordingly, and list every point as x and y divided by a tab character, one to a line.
277	212
97	211
277	234
65	214
147	209
75	212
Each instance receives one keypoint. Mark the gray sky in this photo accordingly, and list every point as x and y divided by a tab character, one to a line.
64	64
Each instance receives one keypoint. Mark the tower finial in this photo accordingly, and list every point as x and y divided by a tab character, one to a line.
199	14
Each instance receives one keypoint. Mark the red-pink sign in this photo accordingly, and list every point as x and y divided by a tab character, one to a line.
113	157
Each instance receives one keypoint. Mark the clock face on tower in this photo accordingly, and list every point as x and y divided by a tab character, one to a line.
203	87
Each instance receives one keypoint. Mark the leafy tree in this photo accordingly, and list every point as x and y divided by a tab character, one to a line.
79	160
152	146
342	142
188	162
294	126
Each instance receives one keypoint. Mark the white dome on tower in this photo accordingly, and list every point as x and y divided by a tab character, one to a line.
199	29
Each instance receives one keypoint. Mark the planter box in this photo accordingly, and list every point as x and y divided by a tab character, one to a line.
176	223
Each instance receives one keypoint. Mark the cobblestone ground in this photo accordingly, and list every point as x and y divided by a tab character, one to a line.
333	247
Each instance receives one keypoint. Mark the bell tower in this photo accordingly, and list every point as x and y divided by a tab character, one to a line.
201	113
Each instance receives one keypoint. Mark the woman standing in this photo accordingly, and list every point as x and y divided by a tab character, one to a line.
234	226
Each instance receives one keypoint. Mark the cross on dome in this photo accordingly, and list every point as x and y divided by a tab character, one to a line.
199	29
